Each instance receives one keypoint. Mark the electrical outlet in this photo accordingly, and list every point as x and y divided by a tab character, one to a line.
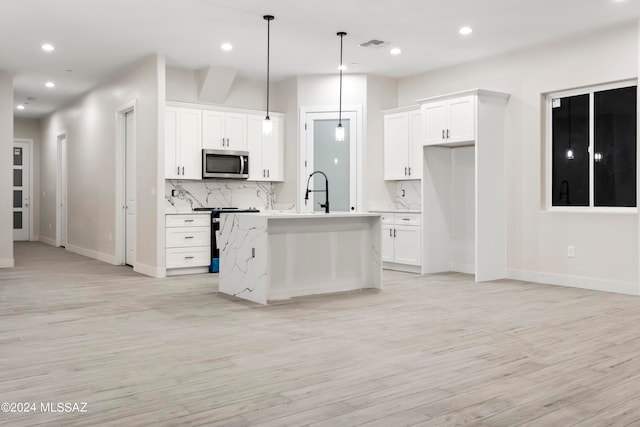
174	193
571	251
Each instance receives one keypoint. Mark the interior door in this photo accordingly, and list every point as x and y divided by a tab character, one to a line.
130	189
337	159
21	190
63	171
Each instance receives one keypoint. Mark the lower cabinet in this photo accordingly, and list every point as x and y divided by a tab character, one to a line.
187	242
401	241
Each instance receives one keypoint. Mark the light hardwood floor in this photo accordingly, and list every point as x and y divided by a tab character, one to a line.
428	350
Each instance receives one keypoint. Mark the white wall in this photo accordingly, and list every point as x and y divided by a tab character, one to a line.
90	127
606	245
6	174
30	129
182	86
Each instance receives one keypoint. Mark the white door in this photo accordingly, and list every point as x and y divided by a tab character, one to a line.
130	189
337	159
387	243
461	119
213	130
407	244
257	171
235	126
396	146
190	143
62	177
434	120
21	189
272	147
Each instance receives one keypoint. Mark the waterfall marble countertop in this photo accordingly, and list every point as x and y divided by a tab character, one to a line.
395	211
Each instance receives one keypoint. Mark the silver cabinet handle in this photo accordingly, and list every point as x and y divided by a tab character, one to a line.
394	232
447	133
188	257
442	133
188	237
405	171
409	170
183	170
406	219
178	170
223	142
189	220
264	173
390	232
268	173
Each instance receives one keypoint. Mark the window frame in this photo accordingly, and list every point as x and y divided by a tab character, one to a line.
549	149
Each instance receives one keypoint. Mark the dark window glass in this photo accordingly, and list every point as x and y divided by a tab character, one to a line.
17	156
17	198
17	220
17	177
615	147
570	141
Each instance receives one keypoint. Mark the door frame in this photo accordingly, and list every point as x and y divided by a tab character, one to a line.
302	152
120	146
59	137
31	185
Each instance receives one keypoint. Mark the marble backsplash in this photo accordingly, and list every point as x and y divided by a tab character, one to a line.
183	196
408	195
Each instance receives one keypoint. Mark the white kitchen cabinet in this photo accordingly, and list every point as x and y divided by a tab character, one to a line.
183	143
266	152
224	130
449	121
402	144
401	241
187	243
464	184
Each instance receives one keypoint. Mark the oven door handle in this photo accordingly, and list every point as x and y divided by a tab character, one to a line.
242	163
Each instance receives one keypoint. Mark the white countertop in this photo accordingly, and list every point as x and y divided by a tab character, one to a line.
396	210
306	215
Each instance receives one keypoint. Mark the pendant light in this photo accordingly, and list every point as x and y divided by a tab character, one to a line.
267	124
340	129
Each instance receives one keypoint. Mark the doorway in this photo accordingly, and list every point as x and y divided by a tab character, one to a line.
339	160
22	190
126	206
61	183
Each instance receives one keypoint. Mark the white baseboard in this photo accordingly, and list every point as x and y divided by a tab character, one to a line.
402	267
7	263
628	288
48	241
148	270
92	254
183	271
463	268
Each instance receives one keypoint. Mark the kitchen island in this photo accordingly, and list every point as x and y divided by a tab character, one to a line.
272	256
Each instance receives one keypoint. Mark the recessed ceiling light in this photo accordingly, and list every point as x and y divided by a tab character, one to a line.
50	84
47	47
20	107
395	51
342	67
226	47
465	31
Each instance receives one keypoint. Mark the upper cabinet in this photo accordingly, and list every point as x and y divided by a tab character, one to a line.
403	144
183	143
266	152
190	128
449	121
224	130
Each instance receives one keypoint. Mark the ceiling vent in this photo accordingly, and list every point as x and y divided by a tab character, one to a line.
374	43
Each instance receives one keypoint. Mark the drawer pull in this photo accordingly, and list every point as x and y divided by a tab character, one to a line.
188	237
189	220
406	219
189	257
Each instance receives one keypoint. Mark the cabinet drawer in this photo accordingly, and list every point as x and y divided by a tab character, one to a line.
386	218
408	219
179	237
188	257
196	220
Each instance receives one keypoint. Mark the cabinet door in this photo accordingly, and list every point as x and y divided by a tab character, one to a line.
213	130
396	146
461	119
171	160
190	143
254	143
407	245
415	145
235	129
272	151
387	243
434	121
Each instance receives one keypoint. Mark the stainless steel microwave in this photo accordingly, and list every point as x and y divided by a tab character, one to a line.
225	164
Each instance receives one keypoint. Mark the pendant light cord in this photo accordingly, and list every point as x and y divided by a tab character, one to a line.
268	18
341	34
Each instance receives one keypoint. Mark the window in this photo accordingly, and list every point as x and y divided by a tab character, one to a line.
593	147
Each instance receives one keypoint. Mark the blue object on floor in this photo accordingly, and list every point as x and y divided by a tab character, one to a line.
215	265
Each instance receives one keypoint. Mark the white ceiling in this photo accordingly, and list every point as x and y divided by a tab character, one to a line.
97	38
